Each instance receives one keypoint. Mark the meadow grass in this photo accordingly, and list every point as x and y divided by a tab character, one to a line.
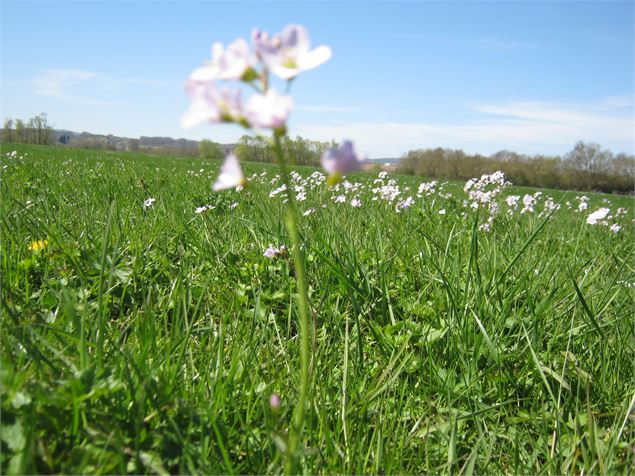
150	339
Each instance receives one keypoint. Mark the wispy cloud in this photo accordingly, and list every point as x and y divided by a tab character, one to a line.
484	44
332	109
58	83
63	84
529	127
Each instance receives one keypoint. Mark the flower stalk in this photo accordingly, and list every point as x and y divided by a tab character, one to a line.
291	222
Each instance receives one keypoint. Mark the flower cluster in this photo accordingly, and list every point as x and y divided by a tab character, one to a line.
285	55
38	245
482	193
602	216
485	189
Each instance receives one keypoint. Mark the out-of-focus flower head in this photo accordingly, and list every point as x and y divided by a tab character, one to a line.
236	62
274	402
289	53
209	104
273	252
339	161
38	245
597	216
269	111
230	176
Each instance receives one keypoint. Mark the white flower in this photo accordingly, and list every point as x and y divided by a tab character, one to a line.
356	202
148	203
512	201
288	54
204	208
615	228
230	175
211	105
404	204
597	216
269	111
228	64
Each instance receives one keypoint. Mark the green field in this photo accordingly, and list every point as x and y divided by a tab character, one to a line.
149	339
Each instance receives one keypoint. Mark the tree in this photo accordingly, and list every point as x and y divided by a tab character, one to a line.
209	150
7	131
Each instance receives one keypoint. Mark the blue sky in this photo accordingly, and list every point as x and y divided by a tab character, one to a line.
533	77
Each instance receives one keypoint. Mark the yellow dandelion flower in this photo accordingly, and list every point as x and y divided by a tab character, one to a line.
37	245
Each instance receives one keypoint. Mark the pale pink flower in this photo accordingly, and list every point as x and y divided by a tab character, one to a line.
356	202
270	110
271	252
404	204
210	104
231	63
615	228
339	161
289	53
274	402
230	175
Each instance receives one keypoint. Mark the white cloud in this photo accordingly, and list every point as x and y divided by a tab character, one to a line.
528	127
62	84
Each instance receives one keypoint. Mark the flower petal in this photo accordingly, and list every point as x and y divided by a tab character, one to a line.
315	58
230	175
198	112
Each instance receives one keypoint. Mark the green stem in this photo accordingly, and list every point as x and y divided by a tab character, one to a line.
295	431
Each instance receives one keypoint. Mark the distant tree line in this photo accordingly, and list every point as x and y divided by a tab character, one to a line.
208	149
298	151
150	145
586	167
36	130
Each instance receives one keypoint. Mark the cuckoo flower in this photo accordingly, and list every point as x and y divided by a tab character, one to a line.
597	216
211	105
288	54
338	162
230	175
271	252
269	111
232	63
